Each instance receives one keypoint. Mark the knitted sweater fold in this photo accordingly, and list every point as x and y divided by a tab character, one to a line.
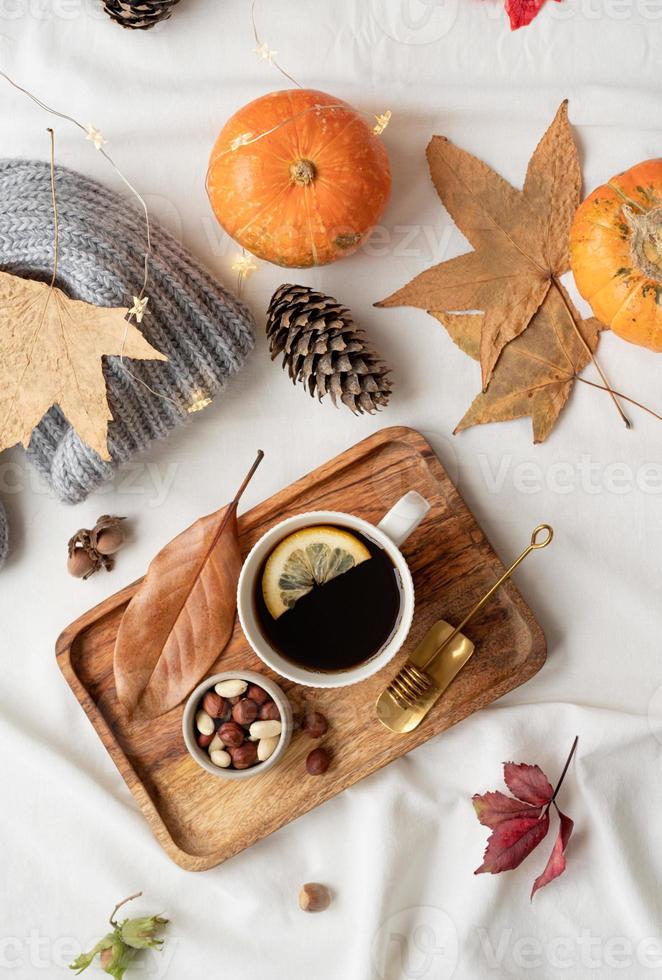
204	330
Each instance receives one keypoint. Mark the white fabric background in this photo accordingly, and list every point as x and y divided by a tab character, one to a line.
400	848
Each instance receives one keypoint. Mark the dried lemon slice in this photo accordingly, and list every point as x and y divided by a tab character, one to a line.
305	559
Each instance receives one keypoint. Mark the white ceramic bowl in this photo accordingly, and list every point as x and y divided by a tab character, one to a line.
201	756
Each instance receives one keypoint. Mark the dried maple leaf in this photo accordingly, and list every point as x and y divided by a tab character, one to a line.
51	350
520	237
182	616
536	372
520	822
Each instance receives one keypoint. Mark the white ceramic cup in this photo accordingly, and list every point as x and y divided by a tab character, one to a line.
391	531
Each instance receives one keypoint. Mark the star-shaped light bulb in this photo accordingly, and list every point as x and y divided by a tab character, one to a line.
139	308
264	51
382	122
244	266
94	136
200	401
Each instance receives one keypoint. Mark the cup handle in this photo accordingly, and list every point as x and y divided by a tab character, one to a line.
404	517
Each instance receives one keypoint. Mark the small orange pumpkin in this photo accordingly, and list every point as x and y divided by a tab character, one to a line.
616	253
307	193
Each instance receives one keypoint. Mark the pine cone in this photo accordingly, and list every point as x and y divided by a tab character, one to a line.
139	14
323	349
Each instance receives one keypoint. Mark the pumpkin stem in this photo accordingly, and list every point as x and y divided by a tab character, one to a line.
303	172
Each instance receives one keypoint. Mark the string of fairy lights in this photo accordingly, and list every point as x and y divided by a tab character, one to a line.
96	138
243	264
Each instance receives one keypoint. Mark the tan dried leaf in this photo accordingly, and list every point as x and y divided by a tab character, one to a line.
520	237
182	615
536	371
51	350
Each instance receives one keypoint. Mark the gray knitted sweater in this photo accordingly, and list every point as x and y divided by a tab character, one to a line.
204	330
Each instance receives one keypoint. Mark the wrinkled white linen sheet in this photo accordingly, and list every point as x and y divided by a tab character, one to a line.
400	848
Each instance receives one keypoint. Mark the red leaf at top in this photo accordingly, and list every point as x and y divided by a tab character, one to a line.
513	840
528	783
556	864
522	12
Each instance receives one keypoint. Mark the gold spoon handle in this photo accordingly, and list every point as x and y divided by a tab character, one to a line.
536	543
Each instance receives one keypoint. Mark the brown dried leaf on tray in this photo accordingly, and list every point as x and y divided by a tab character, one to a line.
51	350
529	338
182	615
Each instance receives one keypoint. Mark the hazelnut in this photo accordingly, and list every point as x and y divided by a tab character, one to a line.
314	897
244	755
314	724
214	704
231	734
269	711
204	740
317	762
245	711
257	694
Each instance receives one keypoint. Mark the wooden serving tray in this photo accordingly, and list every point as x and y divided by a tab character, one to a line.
201	820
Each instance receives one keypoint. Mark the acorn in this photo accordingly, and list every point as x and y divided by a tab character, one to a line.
80	563
89	551
108	535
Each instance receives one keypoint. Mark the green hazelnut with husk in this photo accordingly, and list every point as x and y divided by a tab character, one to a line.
117	949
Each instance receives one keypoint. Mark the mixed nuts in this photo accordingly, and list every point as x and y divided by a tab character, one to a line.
238	724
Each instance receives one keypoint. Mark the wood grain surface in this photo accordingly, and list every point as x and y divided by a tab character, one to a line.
200	820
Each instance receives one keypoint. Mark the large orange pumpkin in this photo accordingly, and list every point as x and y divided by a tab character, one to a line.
309	191
616	253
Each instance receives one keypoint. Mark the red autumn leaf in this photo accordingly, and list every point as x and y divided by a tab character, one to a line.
522	12
511	841
520	822
528	783
493	808
556	864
